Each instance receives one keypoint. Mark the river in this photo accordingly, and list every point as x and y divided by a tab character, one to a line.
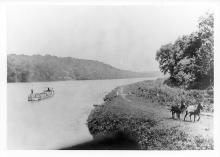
58	121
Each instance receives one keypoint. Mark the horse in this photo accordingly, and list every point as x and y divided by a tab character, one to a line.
192	110
177	109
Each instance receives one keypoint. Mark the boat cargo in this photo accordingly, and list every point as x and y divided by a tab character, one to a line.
49	92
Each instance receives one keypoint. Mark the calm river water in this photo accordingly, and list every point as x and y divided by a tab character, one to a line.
57	121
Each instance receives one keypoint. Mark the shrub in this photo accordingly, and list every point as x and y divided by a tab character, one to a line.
163	94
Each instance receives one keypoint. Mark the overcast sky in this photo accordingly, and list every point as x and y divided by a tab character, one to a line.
126	37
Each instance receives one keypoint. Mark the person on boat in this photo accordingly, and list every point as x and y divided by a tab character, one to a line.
32	94
48	89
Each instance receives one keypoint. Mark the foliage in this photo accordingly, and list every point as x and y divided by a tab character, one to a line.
118	115
162	94
23	68
103	121
173	139
190	59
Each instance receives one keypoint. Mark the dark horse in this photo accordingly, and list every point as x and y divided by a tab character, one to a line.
177	109
192	110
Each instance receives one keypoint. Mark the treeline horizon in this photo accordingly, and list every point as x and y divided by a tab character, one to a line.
38	68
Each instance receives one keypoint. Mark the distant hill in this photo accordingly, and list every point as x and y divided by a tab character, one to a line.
24	68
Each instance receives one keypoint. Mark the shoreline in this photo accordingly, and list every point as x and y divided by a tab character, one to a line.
144	105
153	77
68	109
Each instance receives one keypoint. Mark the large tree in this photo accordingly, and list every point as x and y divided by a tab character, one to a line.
190	59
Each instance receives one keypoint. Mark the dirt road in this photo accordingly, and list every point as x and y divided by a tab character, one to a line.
204	127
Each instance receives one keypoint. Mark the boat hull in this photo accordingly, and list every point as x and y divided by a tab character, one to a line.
40	96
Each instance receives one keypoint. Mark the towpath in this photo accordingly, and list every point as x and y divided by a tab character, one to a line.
204	127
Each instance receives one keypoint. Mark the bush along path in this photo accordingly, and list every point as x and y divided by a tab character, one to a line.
140	111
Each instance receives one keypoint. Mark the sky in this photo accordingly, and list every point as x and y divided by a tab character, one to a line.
126	37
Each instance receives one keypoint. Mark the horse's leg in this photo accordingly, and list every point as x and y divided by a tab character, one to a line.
173	114
190	116
178	116
185	115
199	117
194	117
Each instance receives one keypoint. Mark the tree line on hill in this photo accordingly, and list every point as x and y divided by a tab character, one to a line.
24	68
190	59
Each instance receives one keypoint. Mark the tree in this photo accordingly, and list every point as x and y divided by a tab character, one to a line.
190	60
166	59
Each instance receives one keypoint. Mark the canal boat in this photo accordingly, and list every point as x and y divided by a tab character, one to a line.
49	92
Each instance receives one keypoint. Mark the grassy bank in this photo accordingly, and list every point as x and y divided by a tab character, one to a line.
140	111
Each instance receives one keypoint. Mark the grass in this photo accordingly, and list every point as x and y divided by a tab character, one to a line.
173	139
142	119
157	92
113	118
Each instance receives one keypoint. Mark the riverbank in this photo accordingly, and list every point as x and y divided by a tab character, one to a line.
140	110
56	122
